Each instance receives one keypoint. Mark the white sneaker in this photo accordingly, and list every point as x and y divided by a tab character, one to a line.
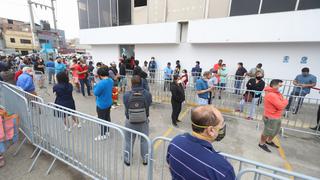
100	138
69	129
79	125
65	128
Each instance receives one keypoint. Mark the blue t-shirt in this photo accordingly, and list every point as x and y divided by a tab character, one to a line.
309	79
103	92
193	158
201	84
59	67
168	73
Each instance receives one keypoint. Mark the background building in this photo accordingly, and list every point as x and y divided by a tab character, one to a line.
282	35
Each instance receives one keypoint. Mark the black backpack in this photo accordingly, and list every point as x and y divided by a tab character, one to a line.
137	109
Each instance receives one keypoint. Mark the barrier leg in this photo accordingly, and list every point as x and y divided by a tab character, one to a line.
34	152
34	161
20	146
50	167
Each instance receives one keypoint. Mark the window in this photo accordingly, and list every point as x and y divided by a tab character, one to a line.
83	14
125	12
105	13
278	6
309	4
93	14
12	40
25	41
244	7
43	41
10	21
138	3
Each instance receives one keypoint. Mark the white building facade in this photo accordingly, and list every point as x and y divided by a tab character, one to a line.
282	35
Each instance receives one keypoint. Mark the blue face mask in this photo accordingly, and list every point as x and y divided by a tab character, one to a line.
281	89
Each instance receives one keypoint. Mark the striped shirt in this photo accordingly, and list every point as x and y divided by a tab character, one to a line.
193	158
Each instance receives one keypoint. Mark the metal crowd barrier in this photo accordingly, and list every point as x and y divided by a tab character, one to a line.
240	165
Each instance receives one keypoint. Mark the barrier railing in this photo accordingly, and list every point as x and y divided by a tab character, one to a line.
240	165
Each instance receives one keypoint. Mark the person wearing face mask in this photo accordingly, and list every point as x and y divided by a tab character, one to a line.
177	98
254	88
184	78
253	71
203	90
25	80
223	73
274	104
302	85
191	156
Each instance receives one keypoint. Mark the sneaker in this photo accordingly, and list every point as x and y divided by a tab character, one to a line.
272	144
265	148
315	128
79	125
126	163
237	110
249	118
65	128
179	120
100	138
175	125
145	163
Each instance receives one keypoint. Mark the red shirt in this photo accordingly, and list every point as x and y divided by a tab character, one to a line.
80	69
17	74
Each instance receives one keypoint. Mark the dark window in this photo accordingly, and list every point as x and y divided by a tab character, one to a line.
138	3
114	13
25	41
309	4
244	7
10	21
93	13
12	40
125	12
270	6
83	14
43	41
105	13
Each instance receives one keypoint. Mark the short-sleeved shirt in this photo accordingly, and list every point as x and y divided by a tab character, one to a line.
193	158
80	69
213	81
240	72
309	79
75	69
168	73
201	84
37	68
59	67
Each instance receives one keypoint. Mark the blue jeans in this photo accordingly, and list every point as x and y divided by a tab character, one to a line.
51	75
252	104
82	83
237	86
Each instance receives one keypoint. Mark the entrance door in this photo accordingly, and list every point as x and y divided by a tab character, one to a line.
127	52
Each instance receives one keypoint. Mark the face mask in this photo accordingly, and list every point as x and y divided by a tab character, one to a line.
281	89
222	133
259	77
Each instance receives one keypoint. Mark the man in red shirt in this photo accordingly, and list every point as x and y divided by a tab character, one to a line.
274	104
83	77
216	67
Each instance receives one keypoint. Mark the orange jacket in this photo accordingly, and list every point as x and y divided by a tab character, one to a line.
274	103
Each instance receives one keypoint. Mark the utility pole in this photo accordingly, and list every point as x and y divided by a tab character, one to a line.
33	29
34	37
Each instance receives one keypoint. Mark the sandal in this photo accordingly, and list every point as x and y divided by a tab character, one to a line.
2	162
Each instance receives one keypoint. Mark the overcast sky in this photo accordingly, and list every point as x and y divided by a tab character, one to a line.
66	11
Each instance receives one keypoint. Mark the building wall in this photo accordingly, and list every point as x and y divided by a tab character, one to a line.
140	15
271	55
185	9
17	35
218	8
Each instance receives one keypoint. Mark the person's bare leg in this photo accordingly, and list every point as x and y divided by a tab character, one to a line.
263	139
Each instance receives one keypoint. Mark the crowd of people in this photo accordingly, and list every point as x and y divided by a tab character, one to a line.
184	157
